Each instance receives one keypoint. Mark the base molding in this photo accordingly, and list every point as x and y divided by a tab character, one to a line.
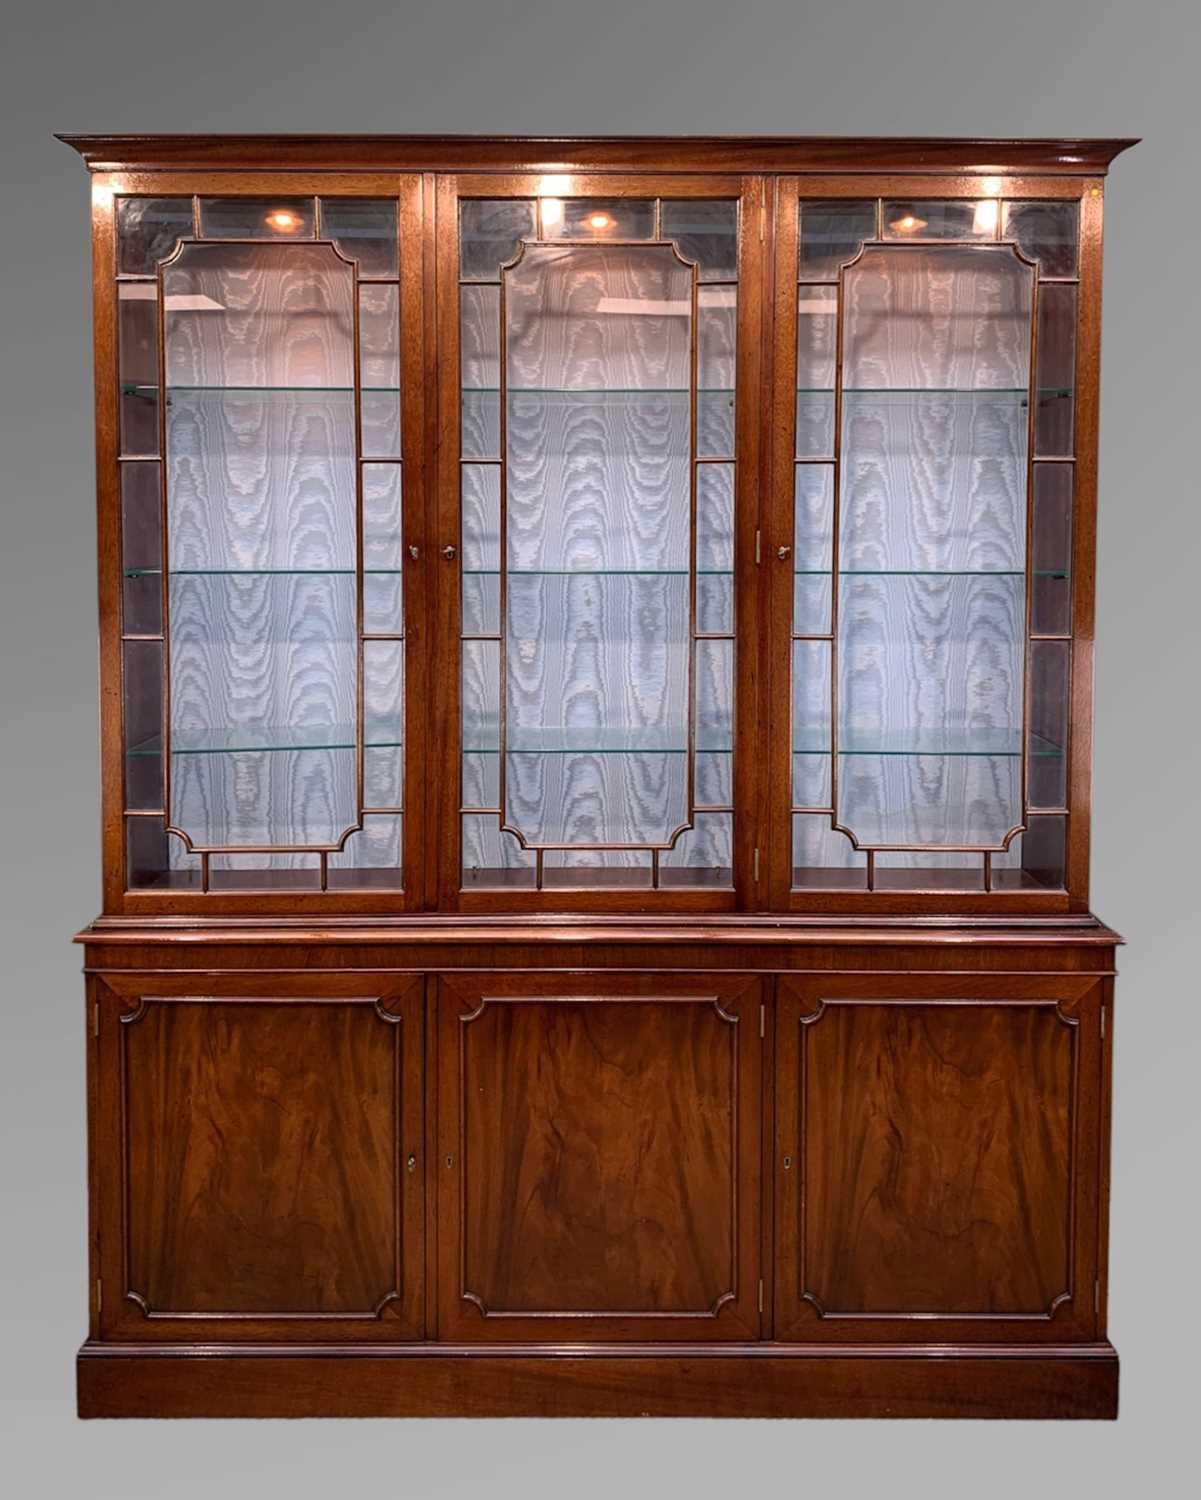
742	1380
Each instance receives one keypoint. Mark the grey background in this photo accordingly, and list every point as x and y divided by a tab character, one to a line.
970	67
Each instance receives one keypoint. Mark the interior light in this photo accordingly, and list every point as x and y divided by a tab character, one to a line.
600	221
282	219
986	216
907	223
552	211
554	185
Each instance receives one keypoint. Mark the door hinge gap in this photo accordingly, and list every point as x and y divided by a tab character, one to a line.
99	1294
758	547
1102	1023
763	1020
96	1018
761	1295
756	866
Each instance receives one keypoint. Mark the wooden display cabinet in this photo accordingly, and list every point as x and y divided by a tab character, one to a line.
596	666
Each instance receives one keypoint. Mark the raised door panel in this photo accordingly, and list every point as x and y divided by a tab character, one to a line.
264	1179
937	1158
598	1158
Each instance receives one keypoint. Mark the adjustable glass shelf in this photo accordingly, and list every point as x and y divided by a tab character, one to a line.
150	392
258	572
940	742
603	740
272	737
727	573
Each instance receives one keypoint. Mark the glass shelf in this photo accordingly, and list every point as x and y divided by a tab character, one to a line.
271	737
597	573
602	741
1004	743
258	572
150	392
1044	393
727	573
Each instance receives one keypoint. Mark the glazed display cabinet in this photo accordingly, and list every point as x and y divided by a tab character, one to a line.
596	666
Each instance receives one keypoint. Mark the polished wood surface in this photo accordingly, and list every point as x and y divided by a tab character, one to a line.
598	1157
937	1157
258	1159
584	153
745	1381
756	1152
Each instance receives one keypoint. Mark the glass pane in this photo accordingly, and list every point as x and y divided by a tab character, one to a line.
598	218
137	312
703	856
597	671
1051	604
1044	853
264	872
479	363
717	350
379	369
371	858
143	687
929	872
141	549
706	232
383	609
1046	232
148	230
492	859
1053	435
817	341
490	231
822	858
831	233
1050	688
813	548
942	220
932	546
257	218
364	230
156	860
262	549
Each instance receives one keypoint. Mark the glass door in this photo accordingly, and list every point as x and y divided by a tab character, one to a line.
922	599
594	345
265	541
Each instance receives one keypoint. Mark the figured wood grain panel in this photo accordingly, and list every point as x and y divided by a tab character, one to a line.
599	1159
937	1158
262	1158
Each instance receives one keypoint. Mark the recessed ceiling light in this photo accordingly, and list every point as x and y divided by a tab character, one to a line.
282	219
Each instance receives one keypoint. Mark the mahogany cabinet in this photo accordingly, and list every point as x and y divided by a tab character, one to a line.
596	668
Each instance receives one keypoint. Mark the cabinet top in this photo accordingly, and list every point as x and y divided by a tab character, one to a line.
766	153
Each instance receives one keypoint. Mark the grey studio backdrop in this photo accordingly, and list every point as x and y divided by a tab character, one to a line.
969	67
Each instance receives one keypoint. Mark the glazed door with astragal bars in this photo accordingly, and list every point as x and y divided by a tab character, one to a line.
269	534
598	340
926	507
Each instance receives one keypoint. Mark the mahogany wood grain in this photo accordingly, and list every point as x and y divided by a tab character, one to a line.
259	1160
590	153
598	1157
942	1158
747	1380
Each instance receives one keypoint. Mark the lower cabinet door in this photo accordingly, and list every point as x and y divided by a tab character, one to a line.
937	1157
257	1158
598	1158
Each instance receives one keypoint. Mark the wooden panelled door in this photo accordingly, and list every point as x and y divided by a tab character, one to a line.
258	1158
598	1157
937	1157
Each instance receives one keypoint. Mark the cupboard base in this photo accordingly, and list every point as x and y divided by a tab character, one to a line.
753	1380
